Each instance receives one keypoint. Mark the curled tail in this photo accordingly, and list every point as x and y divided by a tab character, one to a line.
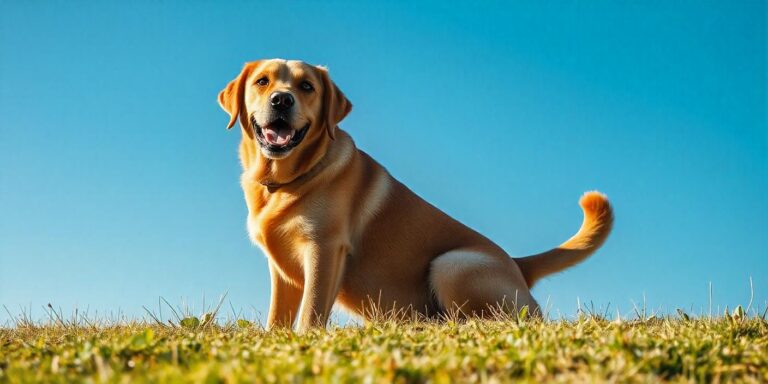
598	220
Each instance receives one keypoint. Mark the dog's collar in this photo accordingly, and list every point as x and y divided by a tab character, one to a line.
273	186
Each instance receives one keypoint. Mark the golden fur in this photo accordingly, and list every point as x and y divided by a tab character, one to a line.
338	228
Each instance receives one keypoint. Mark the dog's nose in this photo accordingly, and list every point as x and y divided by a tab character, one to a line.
281	100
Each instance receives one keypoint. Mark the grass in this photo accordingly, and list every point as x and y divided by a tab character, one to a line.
733	347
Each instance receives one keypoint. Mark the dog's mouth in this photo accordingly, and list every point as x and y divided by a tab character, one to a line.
278	136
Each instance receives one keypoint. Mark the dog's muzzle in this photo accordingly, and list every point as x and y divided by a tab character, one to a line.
278	137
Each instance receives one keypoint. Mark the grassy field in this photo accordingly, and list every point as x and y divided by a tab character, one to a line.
733	348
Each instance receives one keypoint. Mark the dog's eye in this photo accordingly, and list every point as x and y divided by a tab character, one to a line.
262	82
305	85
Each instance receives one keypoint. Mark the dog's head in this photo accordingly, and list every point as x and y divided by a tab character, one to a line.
284	105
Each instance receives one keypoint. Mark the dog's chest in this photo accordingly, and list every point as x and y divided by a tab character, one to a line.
283	227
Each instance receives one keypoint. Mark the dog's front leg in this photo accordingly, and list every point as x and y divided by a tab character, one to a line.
285	300
323	271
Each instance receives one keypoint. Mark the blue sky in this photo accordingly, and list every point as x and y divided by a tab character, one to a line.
119	182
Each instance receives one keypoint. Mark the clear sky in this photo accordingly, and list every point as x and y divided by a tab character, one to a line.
119	182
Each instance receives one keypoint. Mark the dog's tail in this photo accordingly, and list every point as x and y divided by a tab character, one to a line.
598	220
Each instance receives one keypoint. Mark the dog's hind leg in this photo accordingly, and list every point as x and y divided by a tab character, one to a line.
476	284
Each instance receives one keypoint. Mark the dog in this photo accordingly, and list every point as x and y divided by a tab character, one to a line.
337	228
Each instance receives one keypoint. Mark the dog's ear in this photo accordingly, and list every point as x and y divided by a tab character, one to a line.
335	104
231	98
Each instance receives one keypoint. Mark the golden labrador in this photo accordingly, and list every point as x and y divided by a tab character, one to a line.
338	228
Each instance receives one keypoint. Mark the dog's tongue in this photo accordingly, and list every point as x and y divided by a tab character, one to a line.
278	136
